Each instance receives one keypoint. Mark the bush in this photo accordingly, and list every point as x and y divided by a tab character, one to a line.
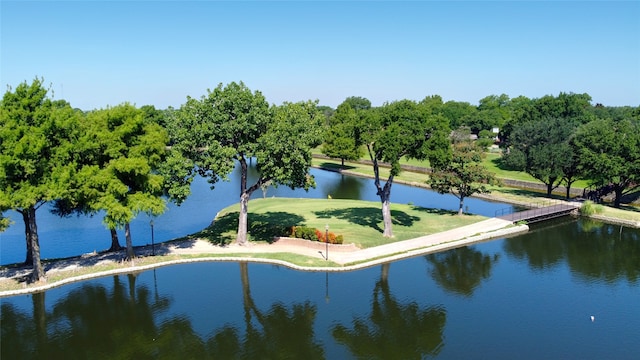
588	208
304	232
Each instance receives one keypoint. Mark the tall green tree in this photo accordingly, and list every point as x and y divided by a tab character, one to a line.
493	111
402	129
126	179
342	138
572	107
459	113
542	149
464	175
610	154
118	158
232	126
37	136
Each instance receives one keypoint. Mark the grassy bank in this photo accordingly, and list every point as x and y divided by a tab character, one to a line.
359	222
498	193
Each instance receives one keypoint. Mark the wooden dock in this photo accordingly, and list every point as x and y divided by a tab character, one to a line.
540	212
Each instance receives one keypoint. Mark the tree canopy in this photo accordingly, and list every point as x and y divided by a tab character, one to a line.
232	126
464	175
542	149
610	154
36	156
403	129
342	139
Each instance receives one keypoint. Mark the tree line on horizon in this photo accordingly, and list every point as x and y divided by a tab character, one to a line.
121	161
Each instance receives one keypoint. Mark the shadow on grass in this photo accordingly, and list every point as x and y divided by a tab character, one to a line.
434	211
336	167
261	227
498	163
526	192
367	216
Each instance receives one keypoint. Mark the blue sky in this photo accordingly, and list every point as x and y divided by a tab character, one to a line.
102	53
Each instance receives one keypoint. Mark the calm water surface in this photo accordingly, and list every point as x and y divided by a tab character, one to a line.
526	297
64	237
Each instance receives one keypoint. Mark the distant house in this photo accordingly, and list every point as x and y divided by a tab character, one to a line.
496	130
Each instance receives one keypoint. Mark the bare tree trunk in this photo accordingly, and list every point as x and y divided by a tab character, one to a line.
115	244
241	238
618	190
245	195
460	212
386	216
38	271
127	234
549	188
27	236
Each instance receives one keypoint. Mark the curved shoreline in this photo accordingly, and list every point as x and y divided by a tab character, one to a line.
342	260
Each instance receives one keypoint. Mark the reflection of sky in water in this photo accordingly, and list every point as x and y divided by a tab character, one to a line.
62	237
515	310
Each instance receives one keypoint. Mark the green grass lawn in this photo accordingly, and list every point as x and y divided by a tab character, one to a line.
491	162
359	222
367	170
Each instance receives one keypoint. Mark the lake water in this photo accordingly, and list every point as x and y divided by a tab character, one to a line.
526	297
64	237
531	296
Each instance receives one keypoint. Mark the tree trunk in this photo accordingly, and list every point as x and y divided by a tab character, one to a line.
616	202
549	188
568	191
385	197
38	271
241	239
27	236
460	212
115	244
127	234
386	215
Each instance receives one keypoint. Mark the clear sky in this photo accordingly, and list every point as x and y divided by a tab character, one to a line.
102	53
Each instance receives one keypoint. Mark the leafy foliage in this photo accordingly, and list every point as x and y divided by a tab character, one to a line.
542	149
232	126
404	129
464	175
37	137
610	153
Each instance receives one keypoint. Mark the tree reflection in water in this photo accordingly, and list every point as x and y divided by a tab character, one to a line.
460	271
604	252
394	330
279	333
94	322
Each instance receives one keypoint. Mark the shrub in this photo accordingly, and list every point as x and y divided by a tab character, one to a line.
588	208
304	232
